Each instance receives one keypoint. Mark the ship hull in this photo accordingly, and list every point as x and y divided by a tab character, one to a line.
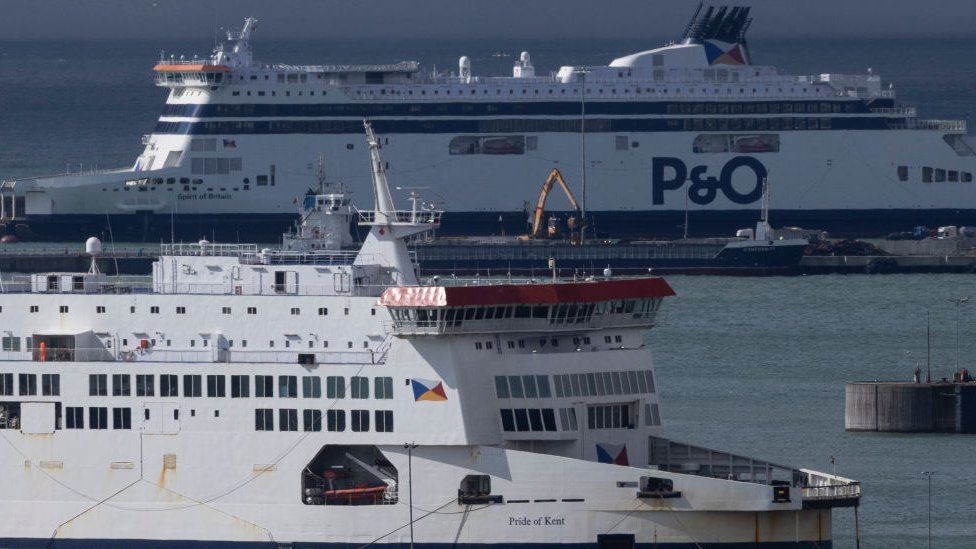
268	228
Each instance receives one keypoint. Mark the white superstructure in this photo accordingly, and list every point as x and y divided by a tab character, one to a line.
325	399
693	125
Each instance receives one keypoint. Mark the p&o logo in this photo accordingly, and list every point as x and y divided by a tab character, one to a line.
705	188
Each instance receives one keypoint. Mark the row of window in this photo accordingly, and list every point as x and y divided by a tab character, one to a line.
564	313
240	386
54	285
507	108
522	386
528	125
937	175
544	342
50	384
633	382
611	416
528	419
214	166
264	420
74	417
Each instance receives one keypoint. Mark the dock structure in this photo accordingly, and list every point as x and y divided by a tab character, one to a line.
907	407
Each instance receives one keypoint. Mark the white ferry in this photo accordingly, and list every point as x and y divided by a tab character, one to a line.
291	399
691	127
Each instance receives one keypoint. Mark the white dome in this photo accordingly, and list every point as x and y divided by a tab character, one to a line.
93	246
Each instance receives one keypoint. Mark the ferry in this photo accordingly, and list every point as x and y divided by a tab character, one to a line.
261	397
690	128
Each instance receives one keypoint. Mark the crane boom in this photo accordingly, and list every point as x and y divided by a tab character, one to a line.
554	177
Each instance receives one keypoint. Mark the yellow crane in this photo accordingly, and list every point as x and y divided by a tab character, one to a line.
554	177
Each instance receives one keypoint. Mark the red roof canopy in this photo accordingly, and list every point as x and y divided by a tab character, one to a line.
514	294
163	67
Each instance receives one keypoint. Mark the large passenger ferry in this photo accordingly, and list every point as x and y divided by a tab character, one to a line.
692	127
292	398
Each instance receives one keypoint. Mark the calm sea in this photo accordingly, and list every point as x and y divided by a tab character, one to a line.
754	366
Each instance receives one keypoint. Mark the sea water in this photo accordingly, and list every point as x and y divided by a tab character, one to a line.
755	366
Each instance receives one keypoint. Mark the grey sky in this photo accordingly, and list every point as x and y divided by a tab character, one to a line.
379	19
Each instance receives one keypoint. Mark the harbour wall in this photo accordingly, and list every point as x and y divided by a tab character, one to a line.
905	407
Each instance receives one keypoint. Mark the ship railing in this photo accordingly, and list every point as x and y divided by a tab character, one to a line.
940	125
425	217
283	257
207	249
823	486
909	112
208	355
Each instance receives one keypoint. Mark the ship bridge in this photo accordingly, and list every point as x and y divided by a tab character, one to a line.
525	307
192	73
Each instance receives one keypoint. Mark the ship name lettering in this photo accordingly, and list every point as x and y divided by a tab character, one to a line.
704	188
537	521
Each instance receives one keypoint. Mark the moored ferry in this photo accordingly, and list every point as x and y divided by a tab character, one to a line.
692	127
294	398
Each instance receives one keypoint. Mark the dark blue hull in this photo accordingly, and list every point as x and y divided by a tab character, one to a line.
674	257
35	543
267	228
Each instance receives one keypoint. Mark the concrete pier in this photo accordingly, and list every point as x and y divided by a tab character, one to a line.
905	407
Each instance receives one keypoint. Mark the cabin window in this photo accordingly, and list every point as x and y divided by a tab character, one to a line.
34	308
97	417
953	176
216	386
168	385
225	310
360	420
359	387
153	310
252	310
28	384
11	343
926	174
323	311
51	384
940	175
264	419
97	385
384	421
121	385
311	387
75	417
336	420
145	385
311	420
263	386
287	419
181	310
335	387
383	388
240	386
121	418
287	387
192	385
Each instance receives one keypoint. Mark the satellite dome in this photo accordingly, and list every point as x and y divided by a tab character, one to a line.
93	246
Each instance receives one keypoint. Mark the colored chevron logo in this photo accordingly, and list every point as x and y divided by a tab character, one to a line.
723	53
424	389
612	453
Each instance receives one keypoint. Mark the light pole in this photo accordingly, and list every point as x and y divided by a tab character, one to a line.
582	80
959	303
928	475
409	447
